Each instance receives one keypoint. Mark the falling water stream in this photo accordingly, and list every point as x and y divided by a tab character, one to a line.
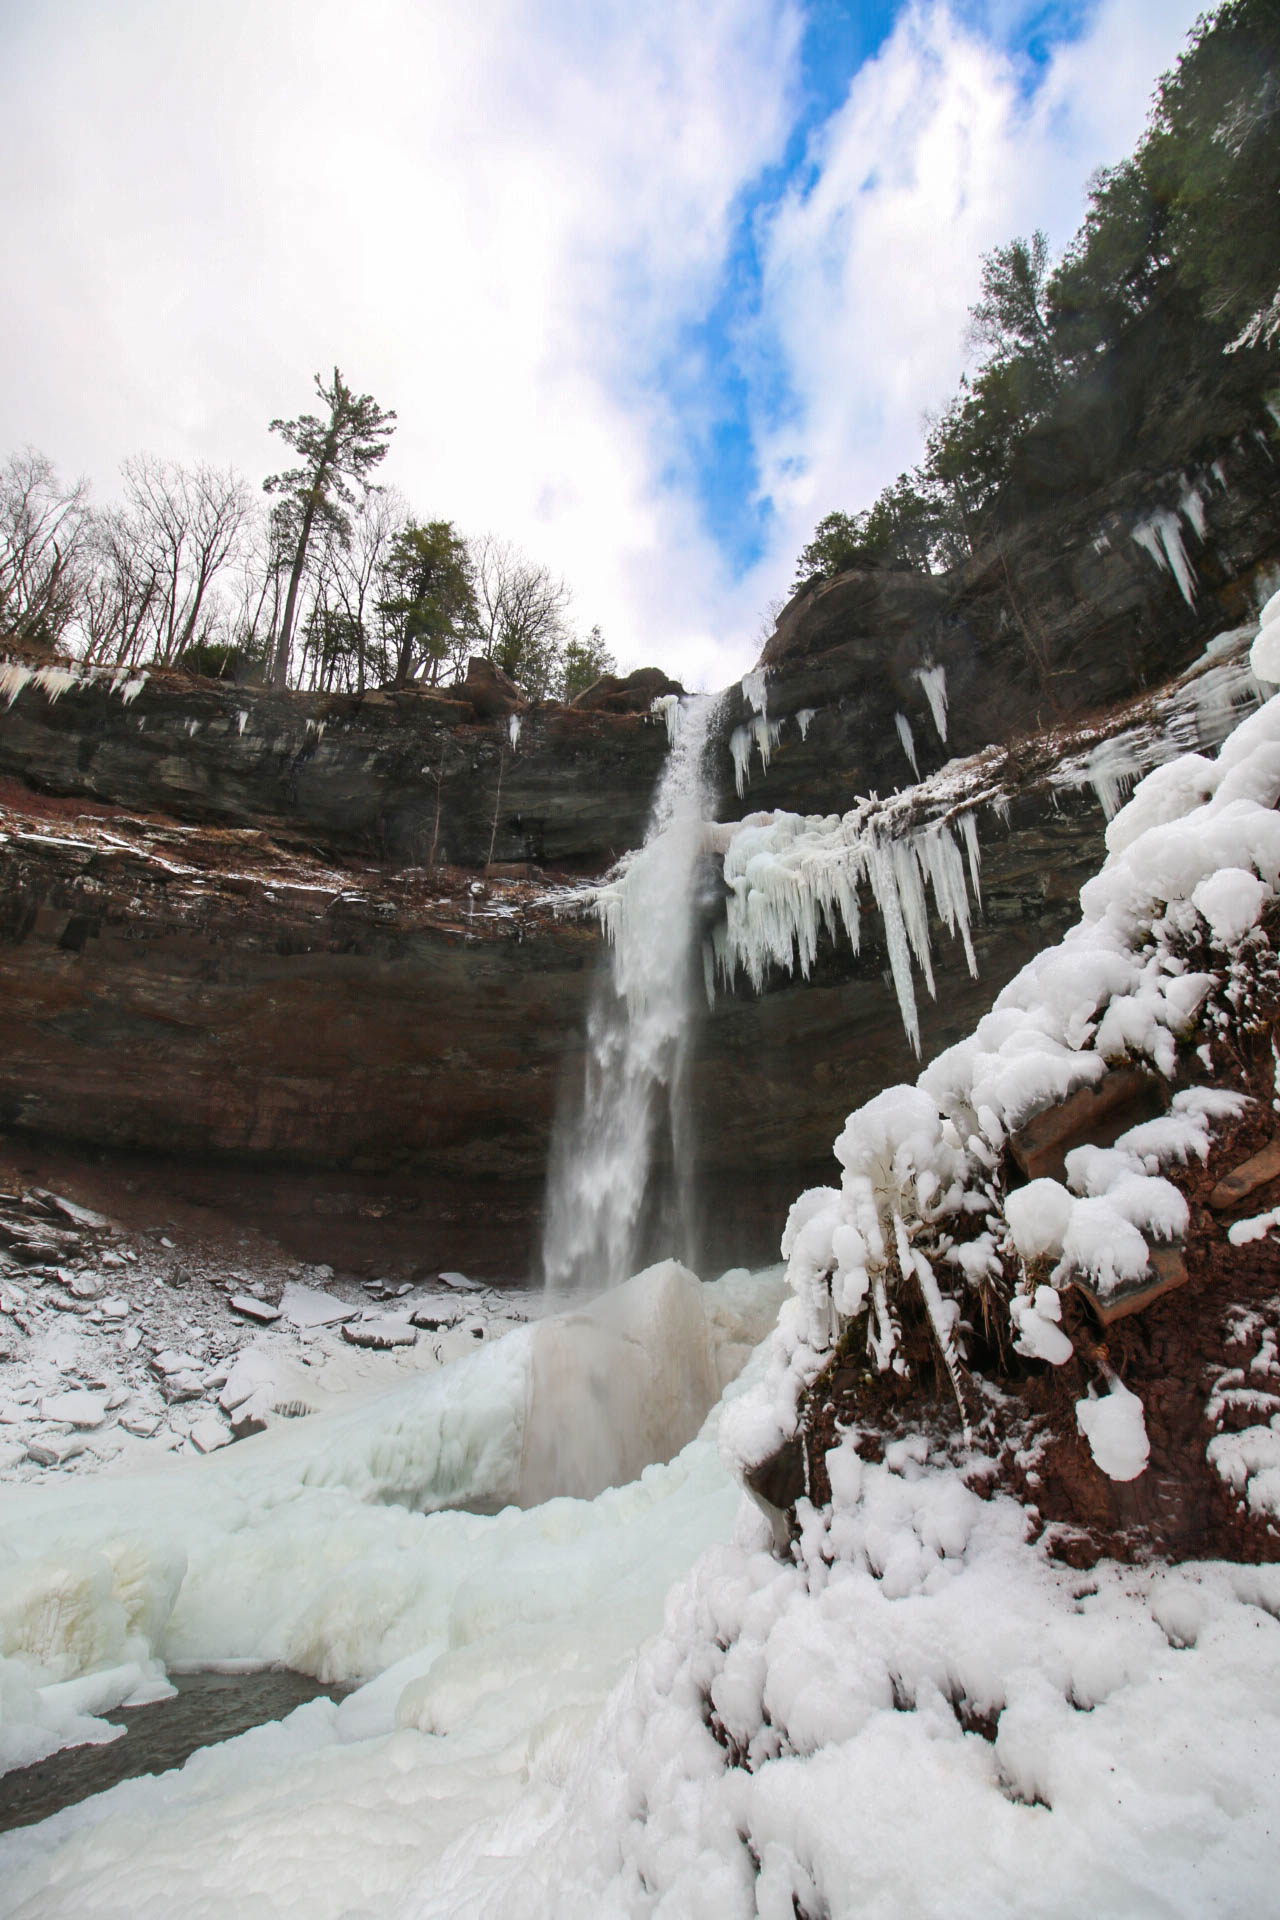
621	1170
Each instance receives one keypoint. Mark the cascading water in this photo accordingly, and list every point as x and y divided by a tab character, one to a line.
609	1190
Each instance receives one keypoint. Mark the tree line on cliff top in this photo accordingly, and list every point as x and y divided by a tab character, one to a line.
1156	330
335	584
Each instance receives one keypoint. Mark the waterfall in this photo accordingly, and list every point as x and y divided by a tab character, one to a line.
610	1192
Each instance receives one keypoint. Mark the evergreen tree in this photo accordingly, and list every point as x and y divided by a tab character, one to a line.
585	662
428	601
337	453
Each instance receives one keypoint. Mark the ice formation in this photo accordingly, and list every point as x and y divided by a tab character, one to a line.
668	706
788	875
907	738
638	1031
1160	535
513	731
55	680
101	1582
934	682
804	720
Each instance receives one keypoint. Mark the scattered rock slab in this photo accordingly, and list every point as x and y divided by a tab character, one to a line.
78	1216
1166	1269
245	1425
210	1433
86	1285
461	1284
55	1449
181	1386
1245	1179
141	1425
131	1338
381	1333
115	1308
307	1307
173	1360
1096	1113
118	1397
252	1308
431	1319
77	1408
111	1259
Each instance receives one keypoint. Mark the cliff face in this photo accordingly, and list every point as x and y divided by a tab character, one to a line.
1062	616
301	943
399	777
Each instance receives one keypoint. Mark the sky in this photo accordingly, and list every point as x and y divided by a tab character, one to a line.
651	286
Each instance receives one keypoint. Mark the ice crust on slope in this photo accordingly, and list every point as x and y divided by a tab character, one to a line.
199	1564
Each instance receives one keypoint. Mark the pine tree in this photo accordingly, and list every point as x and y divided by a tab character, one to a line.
338	454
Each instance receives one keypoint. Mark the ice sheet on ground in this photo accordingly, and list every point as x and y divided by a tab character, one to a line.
201	1564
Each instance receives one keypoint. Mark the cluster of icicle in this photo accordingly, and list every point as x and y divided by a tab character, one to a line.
53	681
788	875
760	735
1193	864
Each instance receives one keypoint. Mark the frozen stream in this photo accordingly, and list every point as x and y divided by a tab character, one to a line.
207	1708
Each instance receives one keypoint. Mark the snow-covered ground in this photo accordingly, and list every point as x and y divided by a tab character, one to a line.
630	1704
117	1345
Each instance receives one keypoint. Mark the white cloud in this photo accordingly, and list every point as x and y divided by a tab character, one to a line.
499	219
490	216
937	155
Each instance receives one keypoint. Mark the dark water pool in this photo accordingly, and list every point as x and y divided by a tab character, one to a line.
209	1707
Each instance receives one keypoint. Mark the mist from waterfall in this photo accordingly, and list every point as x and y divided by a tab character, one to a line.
621	1174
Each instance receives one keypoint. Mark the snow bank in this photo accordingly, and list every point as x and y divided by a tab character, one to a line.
1193	862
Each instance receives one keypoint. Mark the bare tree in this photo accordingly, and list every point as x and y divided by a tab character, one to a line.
184	523
522	613
351	569
43	535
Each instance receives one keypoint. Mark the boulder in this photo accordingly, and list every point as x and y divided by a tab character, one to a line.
490	691
634	693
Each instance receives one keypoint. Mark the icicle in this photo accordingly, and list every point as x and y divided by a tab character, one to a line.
766	733
55	681
804	720
1191	507
13	678
880	869
1161	537
969	828
934	682
668	705
754	690
513	732
740	749
133	688
241	717
908	741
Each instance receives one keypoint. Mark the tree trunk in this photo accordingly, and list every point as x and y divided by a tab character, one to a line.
280	665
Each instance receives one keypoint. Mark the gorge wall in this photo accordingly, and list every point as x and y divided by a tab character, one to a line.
299	948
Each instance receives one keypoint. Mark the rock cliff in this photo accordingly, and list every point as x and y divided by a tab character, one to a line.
302	944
